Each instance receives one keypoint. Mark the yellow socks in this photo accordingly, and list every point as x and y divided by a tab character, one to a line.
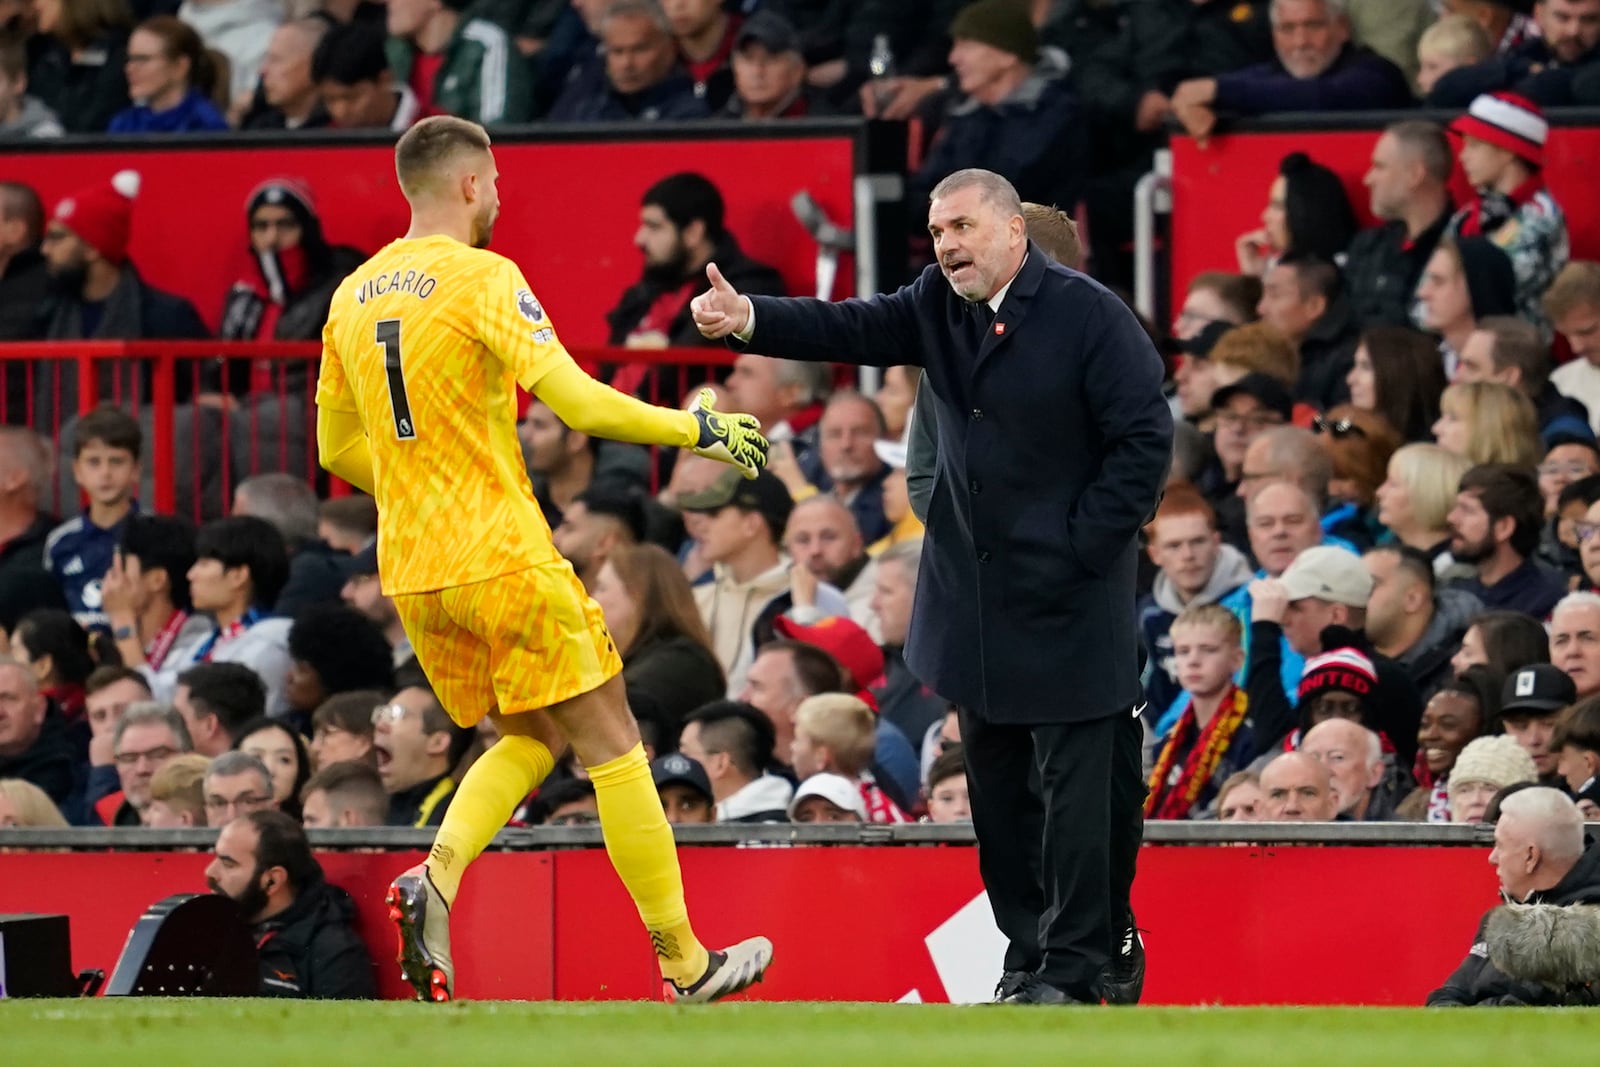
483	804
639	841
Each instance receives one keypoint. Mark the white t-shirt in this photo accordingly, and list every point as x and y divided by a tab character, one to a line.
1580	380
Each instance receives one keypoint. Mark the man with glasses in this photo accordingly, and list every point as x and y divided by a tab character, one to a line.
148	737
236	784
417	746
1245	410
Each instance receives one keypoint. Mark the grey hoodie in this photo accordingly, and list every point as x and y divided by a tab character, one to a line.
1232	571
36	120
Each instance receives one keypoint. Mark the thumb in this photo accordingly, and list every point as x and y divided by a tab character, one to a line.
718	282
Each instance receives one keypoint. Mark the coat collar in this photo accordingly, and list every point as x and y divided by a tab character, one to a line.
1015	306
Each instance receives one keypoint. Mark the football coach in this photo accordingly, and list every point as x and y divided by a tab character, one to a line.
1054	442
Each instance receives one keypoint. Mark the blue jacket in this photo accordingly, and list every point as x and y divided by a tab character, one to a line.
1359	80
1530	69
667	101
78	554
195	113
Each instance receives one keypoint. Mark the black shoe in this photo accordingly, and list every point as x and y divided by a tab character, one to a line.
1124	981
1036	990
1010	983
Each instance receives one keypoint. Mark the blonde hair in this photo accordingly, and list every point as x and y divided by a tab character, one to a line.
1502	425
1213	615
180	785
1054	232
1578	285
34	806
845	724
1456	37
1432	477
1258	347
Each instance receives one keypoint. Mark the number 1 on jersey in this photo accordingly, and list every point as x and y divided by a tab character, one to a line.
388	335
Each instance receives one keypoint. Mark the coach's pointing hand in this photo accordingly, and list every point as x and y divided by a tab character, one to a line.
720	310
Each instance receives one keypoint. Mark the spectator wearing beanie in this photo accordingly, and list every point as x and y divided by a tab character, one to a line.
170	78
1502	153
458	64
1543	67
1316	69
240	30
1486	766
1340	684
100	295
1015	112
1467	278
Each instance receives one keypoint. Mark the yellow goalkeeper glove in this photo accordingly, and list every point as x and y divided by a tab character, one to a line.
733	439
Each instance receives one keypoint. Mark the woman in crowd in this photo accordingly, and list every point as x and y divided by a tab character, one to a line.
1489	423
896	397
651	613
57	648
277	745
1308	213
1360	444
334	649
1504	641
341	728
78	72
1460	711
1398	374
171	78
1485	767
1466	279
1416	497
24	804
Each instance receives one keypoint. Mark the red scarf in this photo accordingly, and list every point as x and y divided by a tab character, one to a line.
1173	799
155	653
69	698
1489	210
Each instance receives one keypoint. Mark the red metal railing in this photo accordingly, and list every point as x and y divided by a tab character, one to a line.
217	411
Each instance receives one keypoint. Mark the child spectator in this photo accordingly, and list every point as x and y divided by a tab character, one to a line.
835	734
827	798
1211	737
177	794
948	799
105	466
1454	41
1486	767
1576	744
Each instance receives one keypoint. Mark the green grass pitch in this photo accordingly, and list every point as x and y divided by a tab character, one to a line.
238	1033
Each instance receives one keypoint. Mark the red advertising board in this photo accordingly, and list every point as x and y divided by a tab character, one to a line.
569	209
1219	191
1227	925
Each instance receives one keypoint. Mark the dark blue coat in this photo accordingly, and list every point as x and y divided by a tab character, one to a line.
1054	443
1530	69
1359	80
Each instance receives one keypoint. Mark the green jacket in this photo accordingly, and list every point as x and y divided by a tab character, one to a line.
483	77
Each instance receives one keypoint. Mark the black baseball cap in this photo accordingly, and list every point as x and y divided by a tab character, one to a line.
1203	342
763	494
770	30
678	769
1264	387
1537	689
363	564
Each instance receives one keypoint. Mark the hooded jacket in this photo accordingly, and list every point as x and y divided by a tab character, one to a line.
1428	661
1164	604
312	950
240	30
764	800
1542	952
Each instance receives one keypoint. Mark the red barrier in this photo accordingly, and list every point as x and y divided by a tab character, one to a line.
1227	925
569	209
1219	191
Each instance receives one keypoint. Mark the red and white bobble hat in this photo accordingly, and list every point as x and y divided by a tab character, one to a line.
1507	121
102	215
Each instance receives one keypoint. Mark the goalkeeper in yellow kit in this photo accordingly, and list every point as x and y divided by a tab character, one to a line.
424	347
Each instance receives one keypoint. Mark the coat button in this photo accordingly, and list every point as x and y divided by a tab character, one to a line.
975	486
977	414
983	557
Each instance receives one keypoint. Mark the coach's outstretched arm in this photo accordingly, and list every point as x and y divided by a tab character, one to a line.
880	331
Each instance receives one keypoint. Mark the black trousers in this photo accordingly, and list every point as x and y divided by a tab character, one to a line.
1058	813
